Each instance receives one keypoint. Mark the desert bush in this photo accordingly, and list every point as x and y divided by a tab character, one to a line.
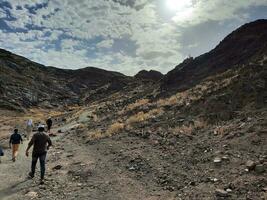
139	117
221	130
190	128
168	101
115	128
155	112
138	103
96	135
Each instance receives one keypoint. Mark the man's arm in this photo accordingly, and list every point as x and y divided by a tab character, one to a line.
21	140
29	146
49	142
10	141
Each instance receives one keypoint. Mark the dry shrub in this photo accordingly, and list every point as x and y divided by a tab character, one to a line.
189	129
168	101
200	124
138	103
96	135
95	117
220	130
155	112
139	117
115	128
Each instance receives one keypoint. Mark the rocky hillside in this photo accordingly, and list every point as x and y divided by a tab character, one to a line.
24	83
151	75
245	45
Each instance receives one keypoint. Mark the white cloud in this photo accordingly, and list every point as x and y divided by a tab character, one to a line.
106	44
70	30
217	10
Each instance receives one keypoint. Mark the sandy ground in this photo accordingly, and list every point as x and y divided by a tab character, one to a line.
84	174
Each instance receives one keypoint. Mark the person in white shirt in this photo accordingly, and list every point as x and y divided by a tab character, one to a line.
29	126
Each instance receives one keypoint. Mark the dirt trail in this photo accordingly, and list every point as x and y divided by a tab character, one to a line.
13	174
74	171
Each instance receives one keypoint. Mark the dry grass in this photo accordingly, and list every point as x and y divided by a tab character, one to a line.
155	112
189	129
115	128
139	117
221	130
96	135
135	105
168	101
138	103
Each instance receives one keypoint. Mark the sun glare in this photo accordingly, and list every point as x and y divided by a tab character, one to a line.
178	5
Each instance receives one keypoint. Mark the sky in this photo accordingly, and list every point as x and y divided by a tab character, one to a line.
120	35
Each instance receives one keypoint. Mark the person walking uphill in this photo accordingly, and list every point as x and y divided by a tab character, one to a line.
41	143
49	124
29	126
15	141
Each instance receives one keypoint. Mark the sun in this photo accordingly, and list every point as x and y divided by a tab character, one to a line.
178	5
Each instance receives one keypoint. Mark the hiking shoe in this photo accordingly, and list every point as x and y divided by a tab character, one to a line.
14	159
30	175
41	181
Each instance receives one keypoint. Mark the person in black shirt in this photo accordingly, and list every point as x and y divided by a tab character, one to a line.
49	124
15	141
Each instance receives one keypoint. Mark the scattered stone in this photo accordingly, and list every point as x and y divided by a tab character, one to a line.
31	194
226	158
215	180
221	193
57	167
228	190
260	169
217	160
59	131
250	165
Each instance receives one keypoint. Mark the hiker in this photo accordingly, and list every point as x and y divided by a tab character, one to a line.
15	141
49	124
29	126
1	153
41	143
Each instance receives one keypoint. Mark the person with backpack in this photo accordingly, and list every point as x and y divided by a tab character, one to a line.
29	126
49	124
14	142
41	143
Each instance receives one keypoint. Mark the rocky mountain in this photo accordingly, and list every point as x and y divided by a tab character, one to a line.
24	83
151	75
245	45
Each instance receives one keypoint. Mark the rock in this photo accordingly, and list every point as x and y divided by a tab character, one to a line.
31	194
226	158
260	169
228	190
221	193
57	167
217	160
59	131
215	180
250	165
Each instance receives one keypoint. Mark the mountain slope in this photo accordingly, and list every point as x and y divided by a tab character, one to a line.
246	44
24	83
